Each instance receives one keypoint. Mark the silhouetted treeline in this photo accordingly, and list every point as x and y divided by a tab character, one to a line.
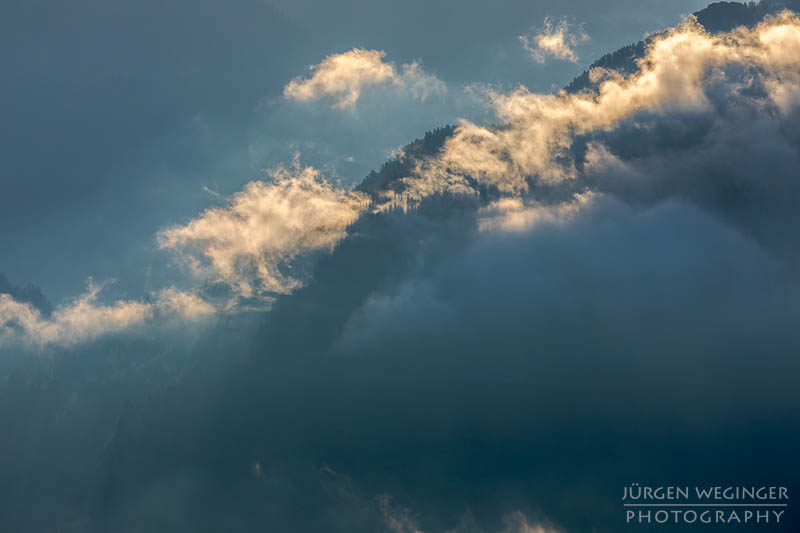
402	165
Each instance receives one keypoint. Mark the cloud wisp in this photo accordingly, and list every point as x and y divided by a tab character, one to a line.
85	319
684	71
556	41
258	245
251	243
515	215
343	77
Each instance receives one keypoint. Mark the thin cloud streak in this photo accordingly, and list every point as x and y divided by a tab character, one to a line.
84	319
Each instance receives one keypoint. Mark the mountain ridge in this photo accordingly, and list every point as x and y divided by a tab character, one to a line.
717	17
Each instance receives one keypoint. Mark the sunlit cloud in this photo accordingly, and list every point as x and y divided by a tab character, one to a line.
555	41
85	319
253	245
183	304
343	77
252	242
262	241
514	214
679	69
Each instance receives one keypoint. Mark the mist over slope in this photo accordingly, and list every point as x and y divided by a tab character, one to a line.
519	321
716	18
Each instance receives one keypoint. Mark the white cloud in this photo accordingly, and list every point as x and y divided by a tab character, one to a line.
343	77
84	319
251	243
514	214
679	68
556	41
183	304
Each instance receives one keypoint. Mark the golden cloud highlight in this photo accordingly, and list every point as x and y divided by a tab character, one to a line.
538	130
343	77
514	214
556	41
84	319
251	242
257	243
